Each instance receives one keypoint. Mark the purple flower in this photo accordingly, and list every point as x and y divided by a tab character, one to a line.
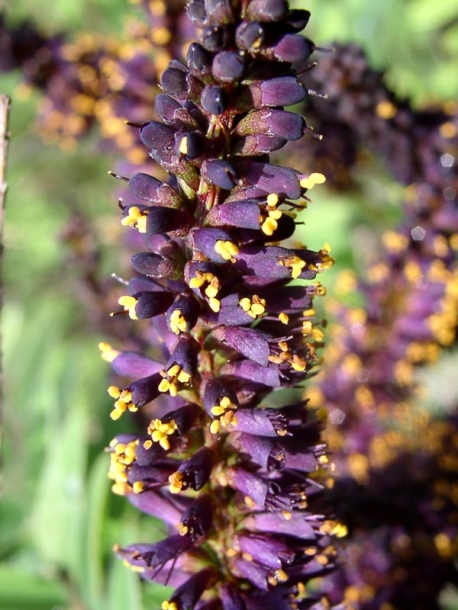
238	480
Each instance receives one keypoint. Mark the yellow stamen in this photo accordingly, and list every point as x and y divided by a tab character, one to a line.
226	249
136	219
107	352
178	322
129	303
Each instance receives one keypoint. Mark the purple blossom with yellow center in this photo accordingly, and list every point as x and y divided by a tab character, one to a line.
234	467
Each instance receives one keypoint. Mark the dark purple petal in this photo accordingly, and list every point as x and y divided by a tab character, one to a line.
199	60
215	243
158	554
293	48
293	524
193	472
133	364
157	504
188	594
251	371
196	12
228	67
249	36
219	172
155	135
249	484
165	107
220	11
247	341
183	314
273	122
266	550
270	178
198	517
174	81
283	91
150	304
256	145
263	422
151	189
145	390
165	220
152	265
214	100
267	10
243	214
214	38
253	572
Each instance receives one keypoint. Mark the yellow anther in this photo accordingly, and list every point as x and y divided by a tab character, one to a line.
254	306
166	386
129	303
281	575
314	178
169	606
283	317
339	530
135	219
160	431
226	249
215	305
123	402
294	263
385	109
176	481
269	226
138	487
173	370
107	352
272	200
178	322
214	426
298	364
114	391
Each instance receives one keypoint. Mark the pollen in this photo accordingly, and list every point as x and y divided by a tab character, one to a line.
283	317
226	249
385	109
135	219
272	200
314	178
129	303
270	224
294	263
211	290
178	322
225	411
107	352
176	481
173	377
160	431
123	402
169	606
254	306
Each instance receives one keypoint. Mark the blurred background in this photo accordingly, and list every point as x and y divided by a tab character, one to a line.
58	518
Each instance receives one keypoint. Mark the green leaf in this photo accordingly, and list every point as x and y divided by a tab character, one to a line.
22	590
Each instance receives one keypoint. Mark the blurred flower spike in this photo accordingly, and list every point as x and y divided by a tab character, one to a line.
238	482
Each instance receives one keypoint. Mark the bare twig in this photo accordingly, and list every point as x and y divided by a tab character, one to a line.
4	135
